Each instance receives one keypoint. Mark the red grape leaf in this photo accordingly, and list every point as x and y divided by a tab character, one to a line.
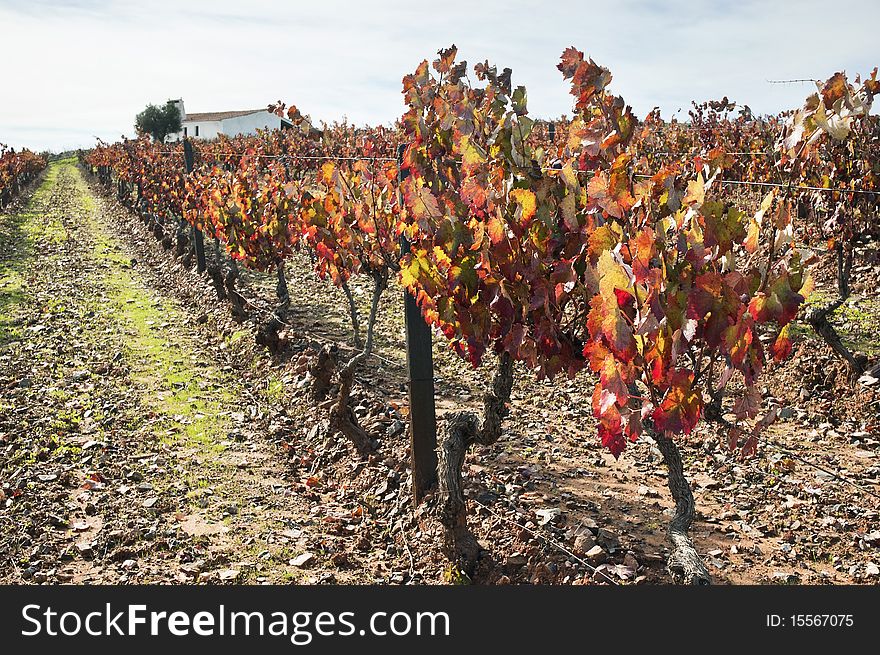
680	409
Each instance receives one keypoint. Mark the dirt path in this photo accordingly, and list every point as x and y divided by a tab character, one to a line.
127	453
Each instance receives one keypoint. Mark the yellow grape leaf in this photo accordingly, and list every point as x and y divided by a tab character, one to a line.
527	202
611	277
568	207
442	259
696	192
808	286
765	206
569	177
751	242
471	156
409	274
327	172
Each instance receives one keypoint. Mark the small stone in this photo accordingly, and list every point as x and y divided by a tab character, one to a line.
872	570
545	516
515	560
228	574
781	577
149	502
395	428
590	524
583	543
302	561
595	555
631	562
608	540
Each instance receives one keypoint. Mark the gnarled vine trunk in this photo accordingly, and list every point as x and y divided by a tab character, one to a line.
268	334
342	417
684	564
215	270
239	312
463	429
182	243
353	312
818	317
216	276
322	370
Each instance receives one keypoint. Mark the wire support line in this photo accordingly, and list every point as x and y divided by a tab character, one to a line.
797	81
759	153
288	157
835	474
781	186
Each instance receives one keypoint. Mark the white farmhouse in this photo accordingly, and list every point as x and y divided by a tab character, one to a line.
231	123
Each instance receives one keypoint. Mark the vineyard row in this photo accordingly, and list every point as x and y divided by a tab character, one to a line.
578	244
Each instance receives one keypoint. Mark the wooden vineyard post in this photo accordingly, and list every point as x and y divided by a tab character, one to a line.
197	237
420	368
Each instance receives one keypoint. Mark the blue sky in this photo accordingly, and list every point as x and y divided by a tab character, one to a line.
84	68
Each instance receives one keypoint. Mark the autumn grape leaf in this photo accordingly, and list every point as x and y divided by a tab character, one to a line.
496	229
568	208
779	303
606	320
751	240
781	347
680	408
721	228
588	78
602	240
749	404
472	155
737	339
696	192
611	191
421	202
643	250
834	89
613	440
527	204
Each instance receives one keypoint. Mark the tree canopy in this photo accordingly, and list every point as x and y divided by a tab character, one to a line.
159	122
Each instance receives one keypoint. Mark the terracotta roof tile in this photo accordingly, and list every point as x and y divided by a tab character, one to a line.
220	115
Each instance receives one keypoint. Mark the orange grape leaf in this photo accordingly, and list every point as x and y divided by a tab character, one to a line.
781	348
